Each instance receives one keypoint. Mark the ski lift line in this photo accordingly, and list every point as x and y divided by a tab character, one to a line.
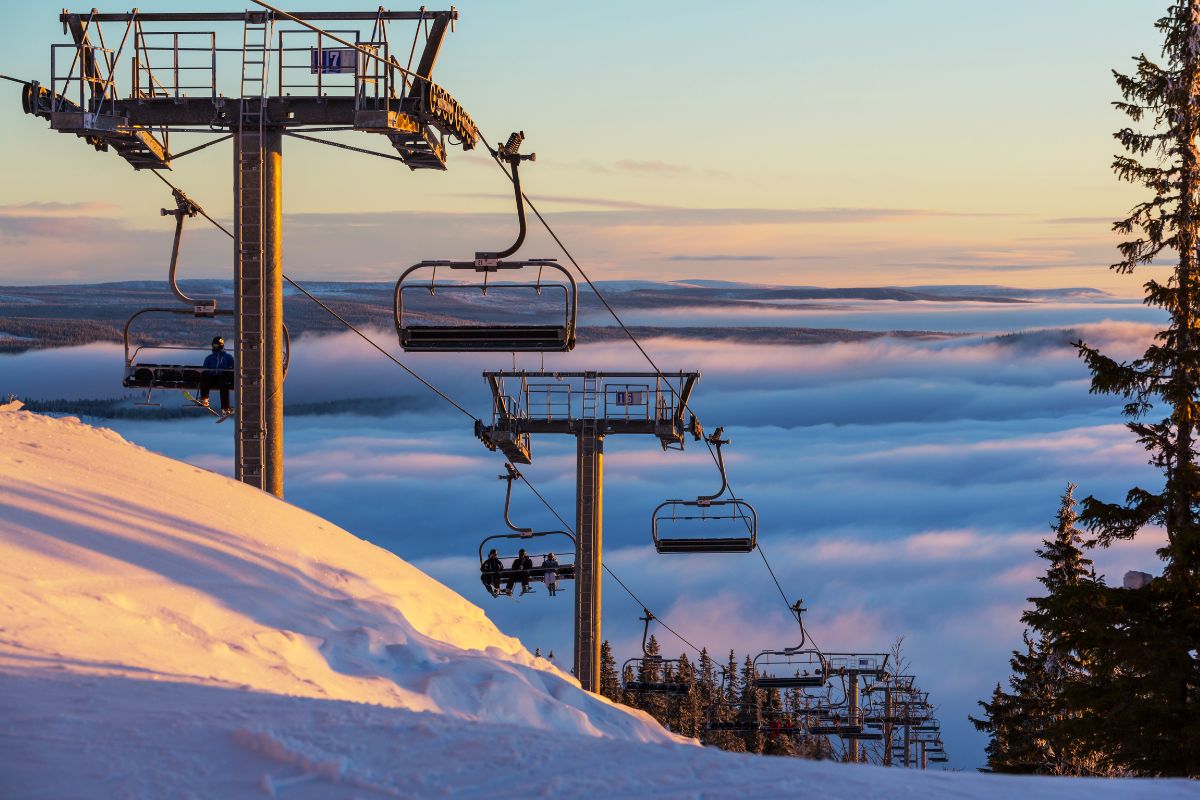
587	279
437	391
342	146
340	319
615	316
200	210
371	342
607	569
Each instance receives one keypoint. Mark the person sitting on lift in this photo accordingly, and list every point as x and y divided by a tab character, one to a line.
218	374
490	573
520	572
550	565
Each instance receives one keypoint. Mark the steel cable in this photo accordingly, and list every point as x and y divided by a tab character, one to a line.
632	337
449	400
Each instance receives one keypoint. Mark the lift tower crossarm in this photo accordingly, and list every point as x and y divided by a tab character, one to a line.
135	117
239	16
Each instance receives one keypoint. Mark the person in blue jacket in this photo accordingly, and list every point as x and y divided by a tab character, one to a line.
218	374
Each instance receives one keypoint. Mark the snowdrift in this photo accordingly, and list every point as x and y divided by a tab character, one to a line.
168	632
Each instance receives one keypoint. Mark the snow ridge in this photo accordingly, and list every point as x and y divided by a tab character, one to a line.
168	632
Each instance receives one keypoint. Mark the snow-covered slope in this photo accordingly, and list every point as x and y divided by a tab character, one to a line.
167	632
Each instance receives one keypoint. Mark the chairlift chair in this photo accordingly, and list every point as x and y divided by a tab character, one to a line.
715	524
156	366
426	324
164	365
654	666
834	726
790	668
566	566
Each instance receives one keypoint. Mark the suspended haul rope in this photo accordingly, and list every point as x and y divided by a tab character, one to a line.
342	320
632	337
440	394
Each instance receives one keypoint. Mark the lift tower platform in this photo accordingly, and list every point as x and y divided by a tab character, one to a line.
255	77
588	406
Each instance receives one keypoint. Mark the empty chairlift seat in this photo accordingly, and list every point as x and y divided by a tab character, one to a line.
654	675
790	669
698	526
485	316
714	523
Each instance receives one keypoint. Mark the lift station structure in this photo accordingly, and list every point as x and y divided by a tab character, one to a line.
169	72
588	406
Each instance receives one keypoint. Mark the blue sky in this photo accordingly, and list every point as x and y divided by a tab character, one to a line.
956	142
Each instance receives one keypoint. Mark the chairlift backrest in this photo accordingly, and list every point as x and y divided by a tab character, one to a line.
710	523
161	365
714	526
790	668
536	315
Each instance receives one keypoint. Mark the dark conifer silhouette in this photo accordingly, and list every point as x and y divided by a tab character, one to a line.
1143	707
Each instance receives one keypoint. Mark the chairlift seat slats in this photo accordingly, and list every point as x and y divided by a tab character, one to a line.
695	545
821	729
486	339
790	681
692	516
558	295
172	376
658	687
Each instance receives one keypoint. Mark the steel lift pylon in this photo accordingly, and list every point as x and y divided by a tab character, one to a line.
175	84
589	406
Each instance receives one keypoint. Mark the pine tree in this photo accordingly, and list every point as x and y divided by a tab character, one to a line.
998	723
687	712
751	705
1165	381
610	682
706	694
1044	725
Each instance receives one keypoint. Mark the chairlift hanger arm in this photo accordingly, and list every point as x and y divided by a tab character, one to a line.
184	208
511	475
508	152
646	630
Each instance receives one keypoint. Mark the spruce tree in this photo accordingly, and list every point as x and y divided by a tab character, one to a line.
610	681
750	708
1043	726
1161	390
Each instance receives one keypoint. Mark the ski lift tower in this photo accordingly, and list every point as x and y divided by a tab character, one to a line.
588	406
171	73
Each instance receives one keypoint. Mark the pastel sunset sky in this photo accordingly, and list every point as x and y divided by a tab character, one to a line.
874	143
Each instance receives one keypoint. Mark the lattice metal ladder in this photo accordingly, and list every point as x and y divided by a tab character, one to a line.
251	421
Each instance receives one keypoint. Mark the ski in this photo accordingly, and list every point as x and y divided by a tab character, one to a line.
198	404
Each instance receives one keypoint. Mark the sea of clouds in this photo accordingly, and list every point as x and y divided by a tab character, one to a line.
902	485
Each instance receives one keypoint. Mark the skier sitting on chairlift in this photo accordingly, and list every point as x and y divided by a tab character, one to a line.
218	373
521	567
490	573
550	565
